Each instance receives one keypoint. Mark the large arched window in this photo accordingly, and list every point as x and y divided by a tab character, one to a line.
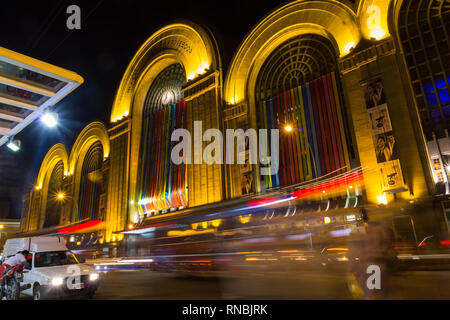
295	62
424	29
54	205
165	89
91	183
298	87
161	184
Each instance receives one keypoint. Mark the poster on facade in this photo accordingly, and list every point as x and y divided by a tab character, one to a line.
383	137
247	183
374	94
245	169
391	174
379	119
385	147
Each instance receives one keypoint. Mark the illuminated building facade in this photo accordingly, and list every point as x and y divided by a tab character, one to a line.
8	227
353	87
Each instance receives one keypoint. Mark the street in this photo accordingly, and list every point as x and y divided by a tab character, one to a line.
127	285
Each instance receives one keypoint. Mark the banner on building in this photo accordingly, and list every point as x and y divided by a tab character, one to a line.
245	169
391	173
383	137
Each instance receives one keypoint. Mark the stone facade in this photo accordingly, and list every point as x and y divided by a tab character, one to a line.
366	46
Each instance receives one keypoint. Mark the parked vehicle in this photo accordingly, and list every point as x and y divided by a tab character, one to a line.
54	271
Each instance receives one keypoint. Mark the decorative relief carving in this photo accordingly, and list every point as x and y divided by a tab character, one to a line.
366	56
153	52
177	43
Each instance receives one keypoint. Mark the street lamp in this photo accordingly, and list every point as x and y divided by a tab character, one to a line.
14	145
382	199
61	197
50	119
288	128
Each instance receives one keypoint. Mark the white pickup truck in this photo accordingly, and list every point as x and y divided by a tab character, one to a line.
54	271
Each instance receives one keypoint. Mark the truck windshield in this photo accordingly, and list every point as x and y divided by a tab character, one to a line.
54	258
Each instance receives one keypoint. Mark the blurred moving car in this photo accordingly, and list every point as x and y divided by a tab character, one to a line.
432	252
120	264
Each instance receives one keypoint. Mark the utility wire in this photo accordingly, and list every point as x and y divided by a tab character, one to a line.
47	24
71	31
37	31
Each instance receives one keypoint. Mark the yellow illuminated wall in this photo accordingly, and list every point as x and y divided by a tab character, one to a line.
340	23
331	19
37	210
196	50
186	43
373	18
93	132
344	26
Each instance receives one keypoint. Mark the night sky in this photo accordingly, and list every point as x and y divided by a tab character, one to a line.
111	33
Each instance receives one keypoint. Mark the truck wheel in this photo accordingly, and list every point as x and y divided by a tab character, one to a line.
37	292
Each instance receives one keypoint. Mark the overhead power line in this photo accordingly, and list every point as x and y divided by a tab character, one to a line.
72	31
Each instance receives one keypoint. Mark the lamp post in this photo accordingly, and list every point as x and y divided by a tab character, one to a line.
14	145
60	196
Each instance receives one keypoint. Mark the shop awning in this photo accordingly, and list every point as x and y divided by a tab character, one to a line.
84	226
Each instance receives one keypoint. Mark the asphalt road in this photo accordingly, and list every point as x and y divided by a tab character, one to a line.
123	285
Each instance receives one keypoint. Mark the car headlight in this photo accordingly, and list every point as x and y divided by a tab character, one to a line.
93	276
57	282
